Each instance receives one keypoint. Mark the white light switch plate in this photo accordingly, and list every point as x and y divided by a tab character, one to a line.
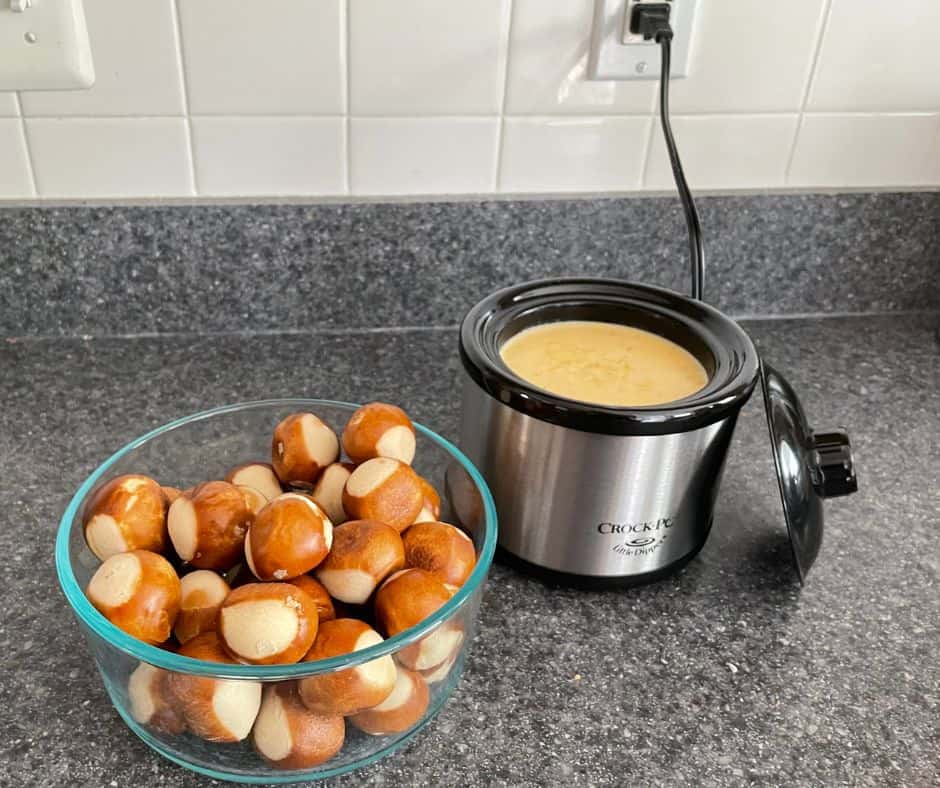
44	45
616	54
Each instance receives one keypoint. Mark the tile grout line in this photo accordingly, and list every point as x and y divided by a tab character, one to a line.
647	152
347	113
29	151
184	86
653	116
824	24
501	127
558	116
456	198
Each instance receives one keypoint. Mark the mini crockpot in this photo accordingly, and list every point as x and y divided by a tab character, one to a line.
605	495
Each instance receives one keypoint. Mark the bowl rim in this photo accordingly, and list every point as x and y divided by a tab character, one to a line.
89	616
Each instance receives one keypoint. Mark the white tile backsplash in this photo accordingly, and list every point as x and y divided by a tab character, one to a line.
863	150
422	155
548	59
8	107
932	169
137	65
282	57
426	57
311	98
725	151
878	57
749	56
110	157
15	181
573	154
237	157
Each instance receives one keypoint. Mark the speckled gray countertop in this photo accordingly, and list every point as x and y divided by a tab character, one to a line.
278	268
727	674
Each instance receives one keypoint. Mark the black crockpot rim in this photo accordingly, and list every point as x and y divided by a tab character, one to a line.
729	387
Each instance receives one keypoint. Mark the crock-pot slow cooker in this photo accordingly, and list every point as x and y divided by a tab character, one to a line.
613	495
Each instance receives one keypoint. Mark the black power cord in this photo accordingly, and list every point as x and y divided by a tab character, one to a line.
651	20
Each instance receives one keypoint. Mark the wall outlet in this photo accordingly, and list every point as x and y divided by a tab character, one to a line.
616	53
44	45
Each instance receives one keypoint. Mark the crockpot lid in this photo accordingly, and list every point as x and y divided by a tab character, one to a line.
810	466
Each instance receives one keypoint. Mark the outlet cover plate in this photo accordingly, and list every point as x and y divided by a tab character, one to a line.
616	54
44	46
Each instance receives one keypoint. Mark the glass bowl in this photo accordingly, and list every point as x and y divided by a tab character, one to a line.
205	446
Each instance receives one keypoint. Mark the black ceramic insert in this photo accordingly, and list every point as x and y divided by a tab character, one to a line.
722	347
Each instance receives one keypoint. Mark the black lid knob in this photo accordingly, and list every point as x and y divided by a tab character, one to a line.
832	456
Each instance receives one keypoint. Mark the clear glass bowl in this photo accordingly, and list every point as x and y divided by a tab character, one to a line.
205	446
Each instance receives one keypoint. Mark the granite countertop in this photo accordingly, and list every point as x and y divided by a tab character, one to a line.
725	674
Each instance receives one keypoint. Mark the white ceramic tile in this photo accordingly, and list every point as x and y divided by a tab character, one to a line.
573	154
136	59
268	156
862	150
110	157
548	57
426	57
749	56
724	151
422	155
8	105
879	57
932	170
14	170
275	57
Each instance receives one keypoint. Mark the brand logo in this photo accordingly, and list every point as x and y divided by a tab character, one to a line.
647	526
643	538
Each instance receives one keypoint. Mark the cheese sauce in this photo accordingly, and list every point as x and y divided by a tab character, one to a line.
604	363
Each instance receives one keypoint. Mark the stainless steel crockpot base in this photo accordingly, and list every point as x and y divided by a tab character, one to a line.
592	582
589	504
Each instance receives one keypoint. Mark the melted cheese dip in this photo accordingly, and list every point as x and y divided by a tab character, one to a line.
604	363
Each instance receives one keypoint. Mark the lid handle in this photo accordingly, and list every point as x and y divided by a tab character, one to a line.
832	457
